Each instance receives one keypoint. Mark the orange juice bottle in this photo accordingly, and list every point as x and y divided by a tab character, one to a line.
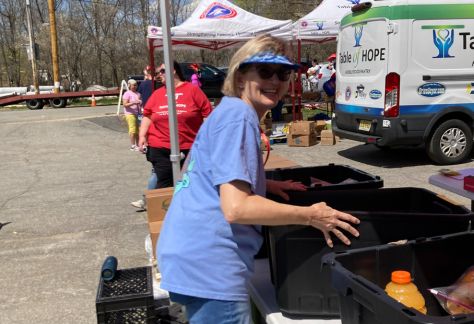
404	291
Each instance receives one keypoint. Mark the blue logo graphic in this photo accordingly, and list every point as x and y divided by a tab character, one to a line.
218	11
354	2
358	34
319	25
375	94
443	38
432	89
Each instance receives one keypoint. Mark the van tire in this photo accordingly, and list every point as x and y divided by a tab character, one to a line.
58	102
450	143
34	104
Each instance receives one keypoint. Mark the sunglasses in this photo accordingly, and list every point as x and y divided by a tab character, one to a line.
162	71
266	72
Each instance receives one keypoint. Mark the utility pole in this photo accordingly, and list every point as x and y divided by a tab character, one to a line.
31	36
54	44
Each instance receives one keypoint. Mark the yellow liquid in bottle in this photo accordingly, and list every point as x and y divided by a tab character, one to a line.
404	291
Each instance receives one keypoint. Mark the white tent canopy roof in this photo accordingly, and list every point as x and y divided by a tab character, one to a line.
217	24
323	22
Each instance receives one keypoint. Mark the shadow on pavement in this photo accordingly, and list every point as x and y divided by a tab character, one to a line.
387	157
115	123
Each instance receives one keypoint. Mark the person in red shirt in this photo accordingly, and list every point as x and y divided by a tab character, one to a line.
192	106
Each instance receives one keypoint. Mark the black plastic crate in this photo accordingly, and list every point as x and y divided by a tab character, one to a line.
339	177
387	215
128	298
360	276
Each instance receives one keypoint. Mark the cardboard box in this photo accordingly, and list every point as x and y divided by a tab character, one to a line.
327	137
303	127
155	229
157	202
320	125
302	140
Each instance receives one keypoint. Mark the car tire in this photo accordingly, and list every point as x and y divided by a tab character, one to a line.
450	143
58	102
35	104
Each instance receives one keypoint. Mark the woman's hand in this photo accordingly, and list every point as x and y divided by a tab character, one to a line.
143	133
142	143
328	220
279	187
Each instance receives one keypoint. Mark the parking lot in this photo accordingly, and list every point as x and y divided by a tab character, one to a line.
67	182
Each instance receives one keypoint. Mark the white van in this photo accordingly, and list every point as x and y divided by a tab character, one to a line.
405	76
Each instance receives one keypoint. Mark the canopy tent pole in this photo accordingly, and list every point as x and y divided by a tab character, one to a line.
296	86
151	59
170	89
299	89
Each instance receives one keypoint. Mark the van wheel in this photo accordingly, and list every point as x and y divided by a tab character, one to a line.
35	104
58	102
450	143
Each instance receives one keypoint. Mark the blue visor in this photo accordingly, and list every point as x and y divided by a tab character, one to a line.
270	58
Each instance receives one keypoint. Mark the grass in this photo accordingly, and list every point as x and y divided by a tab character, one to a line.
308	113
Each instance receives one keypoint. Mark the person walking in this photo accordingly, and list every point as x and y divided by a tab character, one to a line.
145	88
132	104
196	76
212	229
192	106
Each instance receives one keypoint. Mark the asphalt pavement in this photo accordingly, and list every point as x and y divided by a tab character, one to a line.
67	180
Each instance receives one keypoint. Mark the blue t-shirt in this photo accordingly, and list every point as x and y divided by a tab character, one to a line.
199	253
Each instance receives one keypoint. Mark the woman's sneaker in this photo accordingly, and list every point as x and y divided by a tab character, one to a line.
134	148
140	204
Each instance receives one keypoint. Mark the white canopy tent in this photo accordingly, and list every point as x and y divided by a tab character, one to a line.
214	24
322	24
217	24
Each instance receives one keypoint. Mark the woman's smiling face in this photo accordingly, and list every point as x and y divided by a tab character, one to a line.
263	85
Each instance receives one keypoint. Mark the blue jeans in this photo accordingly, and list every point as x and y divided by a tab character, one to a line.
152	180
211	311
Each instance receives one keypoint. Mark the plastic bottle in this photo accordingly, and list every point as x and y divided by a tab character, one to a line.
109	268
404	291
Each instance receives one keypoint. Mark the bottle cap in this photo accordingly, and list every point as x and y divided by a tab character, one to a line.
401	277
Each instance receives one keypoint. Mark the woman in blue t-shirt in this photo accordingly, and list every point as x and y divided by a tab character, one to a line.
212	229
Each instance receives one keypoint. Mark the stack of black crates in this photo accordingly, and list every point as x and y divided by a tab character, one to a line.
302	285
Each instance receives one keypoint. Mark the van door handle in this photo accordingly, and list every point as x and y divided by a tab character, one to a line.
449	77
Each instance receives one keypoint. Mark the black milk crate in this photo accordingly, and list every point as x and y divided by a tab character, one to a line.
128	298
360	276
387	215
337	177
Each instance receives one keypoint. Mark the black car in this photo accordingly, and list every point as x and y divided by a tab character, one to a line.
211	78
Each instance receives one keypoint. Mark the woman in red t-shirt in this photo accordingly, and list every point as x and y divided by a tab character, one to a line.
192	106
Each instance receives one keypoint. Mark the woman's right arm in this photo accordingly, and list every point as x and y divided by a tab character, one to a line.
142	134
